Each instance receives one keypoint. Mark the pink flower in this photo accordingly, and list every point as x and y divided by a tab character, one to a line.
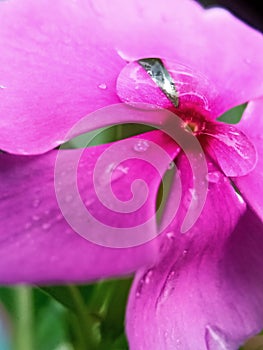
63	60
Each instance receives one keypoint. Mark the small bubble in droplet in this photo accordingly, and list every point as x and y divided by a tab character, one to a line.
213	177
103	86
141	146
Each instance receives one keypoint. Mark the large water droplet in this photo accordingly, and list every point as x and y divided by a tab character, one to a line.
215	339
164	83
141	146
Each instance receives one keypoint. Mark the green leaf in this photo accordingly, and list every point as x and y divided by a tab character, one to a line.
234	115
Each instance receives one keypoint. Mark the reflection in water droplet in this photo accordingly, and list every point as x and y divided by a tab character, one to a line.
2	87
35	217
102	86
141	146
213	176
215	339
171	166
163	83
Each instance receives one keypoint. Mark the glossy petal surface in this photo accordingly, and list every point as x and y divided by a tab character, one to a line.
251	185
60	61
206	291
37	245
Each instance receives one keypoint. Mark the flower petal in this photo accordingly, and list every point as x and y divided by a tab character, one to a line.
37	244
60	61
230	148
251	185
206	291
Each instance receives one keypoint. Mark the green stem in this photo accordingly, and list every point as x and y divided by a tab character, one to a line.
86	321
24	319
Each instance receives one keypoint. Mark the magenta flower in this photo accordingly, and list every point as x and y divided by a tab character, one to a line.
63	60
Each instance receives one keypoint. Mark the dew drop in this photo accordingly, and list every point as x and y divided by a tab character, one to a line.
141	146
36	217
213	177
46	226
2	87
102	86
158	82
170	235
215	339
147	277
171	166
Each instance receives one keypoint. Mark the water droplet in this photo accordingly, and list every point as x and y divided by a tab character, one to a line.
141	146
46	226
147	276
2	87
215	339
36	203
36	217
185	251
163	83
103	86
170	235
213	177
171	166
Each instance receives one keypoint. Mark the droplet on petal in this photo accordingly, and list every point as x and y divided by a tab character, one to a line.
230	147
102	86
141	146
166	84
213	177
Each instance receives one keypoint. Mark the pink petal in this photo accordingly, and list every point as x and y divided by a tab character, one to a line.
206	291
251	185
61	60
230	148
37	245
